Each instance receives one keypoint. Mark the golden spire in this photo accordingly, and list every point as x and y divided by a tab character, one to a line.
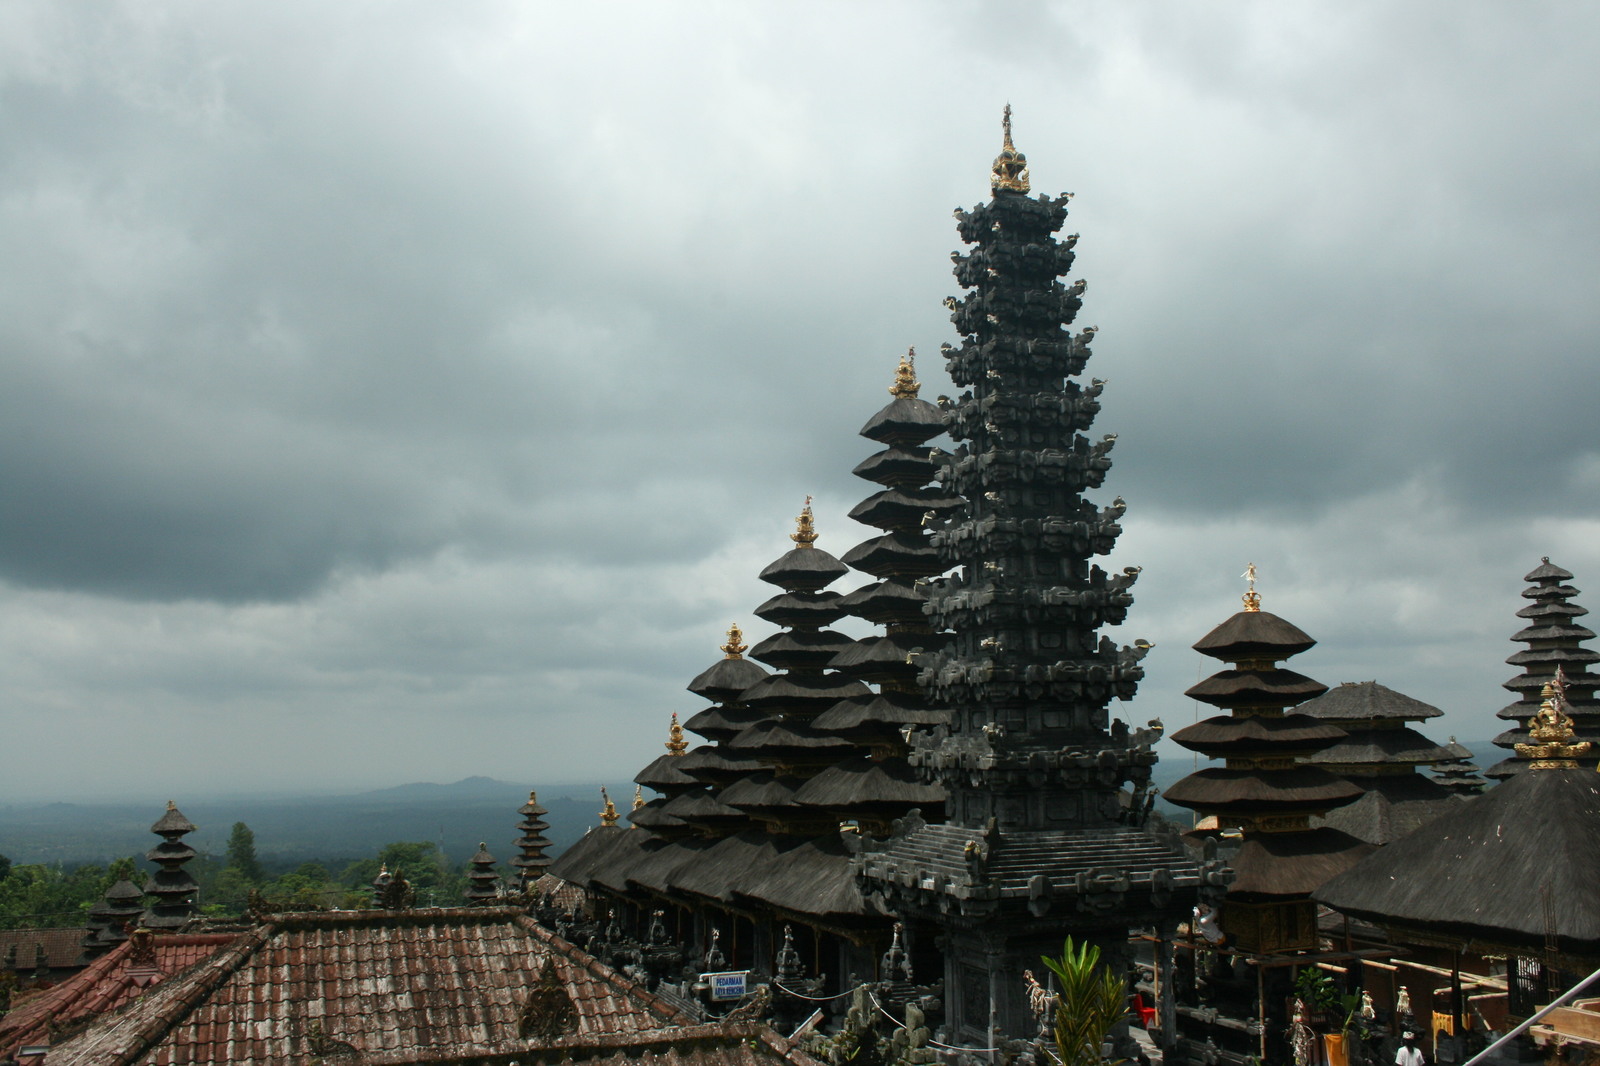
805	534
905	377
608	816
1252	598
1550	731
1010	171
638	796
676	745
735	648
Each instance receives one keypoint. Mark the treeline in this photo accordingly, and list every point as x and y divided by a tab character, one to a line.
42	896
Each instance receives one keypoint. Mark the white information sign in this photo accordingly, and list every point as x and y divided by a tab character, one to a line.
727	985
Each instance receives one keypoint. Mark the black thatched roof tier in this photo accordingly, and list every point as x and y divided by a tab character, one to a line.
870	787
713	872
1565	657
1481	871
655	861
800	649
763	791
906	420
1292	864
1254	635
809	609
1288	734
1273	687
804	570
725	679
896	466
715	763
1367	700
776	738
802	694
651	816
613	865
1549	630
725	722
887	657
875	711
901	553
896	508
578	863
887	603
1393	806
1546	571
702	808
665	775
1244	793
815	878
1403	746
172	824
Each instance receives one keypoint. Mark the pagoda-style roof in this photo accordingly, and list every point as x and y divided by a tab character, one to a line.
897	508
887	602
1370	747
814	878
664	775
870	786
712	873
1481	872
1270	687
775	738
1290	734
715	763
651	816
900	553
702	808
810	609
805	569
1367	700
906	420
802	693
760	791
875	710
725	722
1254	635
726	678
1247	793
896	466
1292	864
801	649
1392	806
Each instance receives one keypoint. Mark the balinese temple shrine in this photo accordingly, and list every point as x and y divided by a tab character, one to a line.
1555	644
1037	841
1383	755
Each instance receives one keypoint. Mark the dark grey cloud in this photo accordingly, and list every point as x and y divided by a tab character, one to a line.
435	380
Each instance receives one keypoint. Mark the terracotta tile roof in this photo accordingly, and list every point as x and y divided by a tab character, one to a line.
396	987
104	985
19	948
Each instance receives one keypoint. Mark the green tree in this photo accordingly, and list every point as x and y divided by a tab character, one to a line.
5	867
1090	1001
242	853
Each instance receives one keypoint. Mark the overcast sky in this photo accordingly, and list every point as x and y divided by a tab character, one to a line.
403	391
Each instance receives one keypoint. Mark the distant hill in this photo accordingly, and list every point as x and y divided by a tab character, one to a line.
324	828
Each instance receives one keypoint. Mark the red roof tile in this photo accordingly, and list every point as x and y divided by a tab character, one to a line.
416	986
104	985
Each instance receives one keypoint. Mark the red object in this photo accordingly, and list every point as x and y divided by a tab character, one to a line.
1147	1015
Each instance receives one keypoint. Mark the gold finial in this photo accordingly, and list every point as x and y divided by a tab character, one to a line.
171	806
736	647
905	377
1010	171
608	816
1252	598
638	796
805	534
676	745
533	797
1551	732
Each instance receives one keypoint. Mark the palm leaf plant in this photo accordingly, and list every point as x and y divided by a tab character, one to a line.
1091	999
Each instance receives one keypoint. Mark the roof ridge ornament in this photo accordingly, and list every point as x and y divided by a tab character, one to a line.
676	745
906	385
1010	172
805	533
1550	731
734	648
1251	598
608	814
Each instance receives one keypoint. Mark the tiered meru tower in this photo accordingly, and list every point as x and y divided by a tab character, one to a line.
1265	787
1035	845
1555	643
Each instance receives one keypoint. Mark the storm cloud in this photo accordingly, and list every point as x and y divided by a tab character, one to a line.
395	392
